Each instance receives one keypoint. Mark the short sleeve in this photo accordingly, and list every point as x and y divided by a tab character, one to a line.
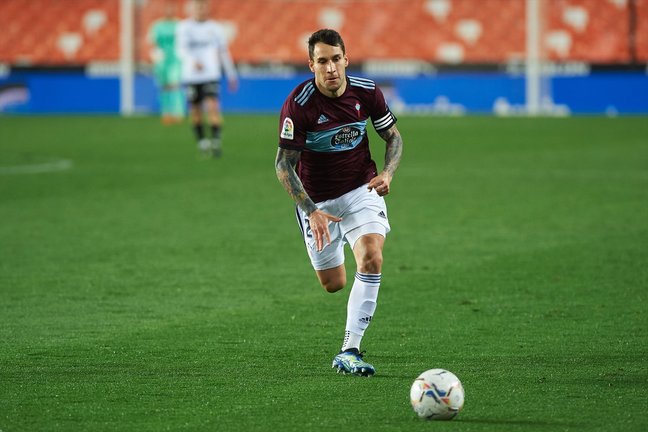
221	39
381	116
292	135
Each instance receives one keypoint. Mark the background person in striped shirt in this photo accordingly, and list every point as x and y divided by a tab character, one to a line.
325	165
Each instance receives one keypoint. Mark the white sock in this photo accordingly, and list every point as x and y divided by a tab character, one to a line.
360	308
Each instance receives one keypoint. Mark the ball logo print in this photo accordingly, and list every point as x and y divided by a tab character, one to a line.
437	394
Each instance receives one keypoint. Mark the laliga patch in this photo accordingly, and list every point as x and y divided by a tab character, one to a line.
288	129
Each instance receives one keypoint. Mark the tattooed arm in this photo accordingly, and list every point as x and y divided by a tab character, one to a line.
285	164
285	167
393	153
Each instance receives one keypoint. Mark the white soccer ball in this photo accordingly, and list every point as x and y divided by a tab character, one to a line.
437	394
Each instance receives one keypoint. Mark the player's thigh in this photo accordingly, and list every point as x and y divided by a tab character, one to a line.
366	214
195	96
332	255
211	92
174	74
212	105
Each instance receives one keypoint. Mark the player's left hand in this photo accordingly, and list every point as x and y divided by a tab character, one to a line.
380	183
233	85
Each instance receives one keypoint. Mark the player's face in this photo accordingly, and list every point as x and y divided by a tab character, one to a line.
200	9
329	65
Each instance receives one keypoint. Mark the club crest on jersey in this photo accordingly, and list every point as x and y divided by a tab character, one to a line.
288	129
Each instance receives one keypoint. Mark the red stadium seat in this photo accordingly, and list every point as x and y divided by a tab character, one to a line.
641	41
34	29
470	31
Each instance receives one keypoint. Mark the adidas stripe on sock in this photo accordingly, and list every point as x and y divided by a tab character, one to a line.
360	308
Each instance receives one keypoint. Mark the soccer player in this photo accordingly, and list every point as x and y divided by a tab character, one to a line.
324	163
203	50
166	68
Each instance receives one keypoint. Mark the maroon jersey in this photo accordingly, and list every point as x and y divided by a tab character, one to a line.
331	133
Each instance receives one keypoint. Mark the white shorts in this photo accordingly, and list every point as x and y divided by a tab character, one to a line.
362	212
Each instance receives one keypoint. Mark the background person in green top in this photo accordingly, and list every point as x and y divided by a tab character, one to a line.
167	67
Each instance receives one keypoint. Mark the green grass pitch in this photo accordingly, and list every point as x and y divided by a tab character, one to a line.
143	288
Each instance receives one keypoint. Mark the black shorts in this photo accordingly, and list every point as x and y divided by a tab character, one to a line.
196	93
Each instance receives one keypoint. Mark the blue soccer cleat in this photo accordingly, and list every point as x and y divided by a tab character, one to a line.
350	362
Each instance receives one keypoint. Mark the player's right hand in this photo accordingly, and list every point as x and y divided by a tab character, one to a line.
319	221
380	183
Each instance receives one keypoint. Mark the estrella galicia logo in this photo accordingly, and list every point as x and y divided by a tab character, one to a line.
346	137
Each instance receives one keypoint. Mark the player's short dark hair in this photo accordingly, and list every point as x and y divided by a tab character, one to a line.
327	36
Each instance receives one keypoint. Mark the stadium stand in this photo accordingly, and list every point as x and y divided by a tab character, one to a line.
589	31
641	39
50	32
61	32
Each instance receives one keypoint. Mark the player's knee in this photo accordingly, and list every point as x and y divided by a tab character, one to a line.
371	262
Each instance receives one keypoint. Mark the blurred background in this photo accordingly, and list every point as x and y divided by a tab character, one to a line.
147	287
450	57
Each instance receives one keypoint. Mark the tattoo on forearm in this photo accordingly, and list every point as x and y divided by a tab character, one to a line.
285	167
394	149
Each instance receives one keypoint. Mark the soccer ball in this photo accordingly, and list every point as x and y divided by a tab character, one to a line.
437	394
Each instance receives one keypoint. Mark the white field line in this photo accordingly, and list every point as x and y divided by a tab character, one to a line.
53	166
